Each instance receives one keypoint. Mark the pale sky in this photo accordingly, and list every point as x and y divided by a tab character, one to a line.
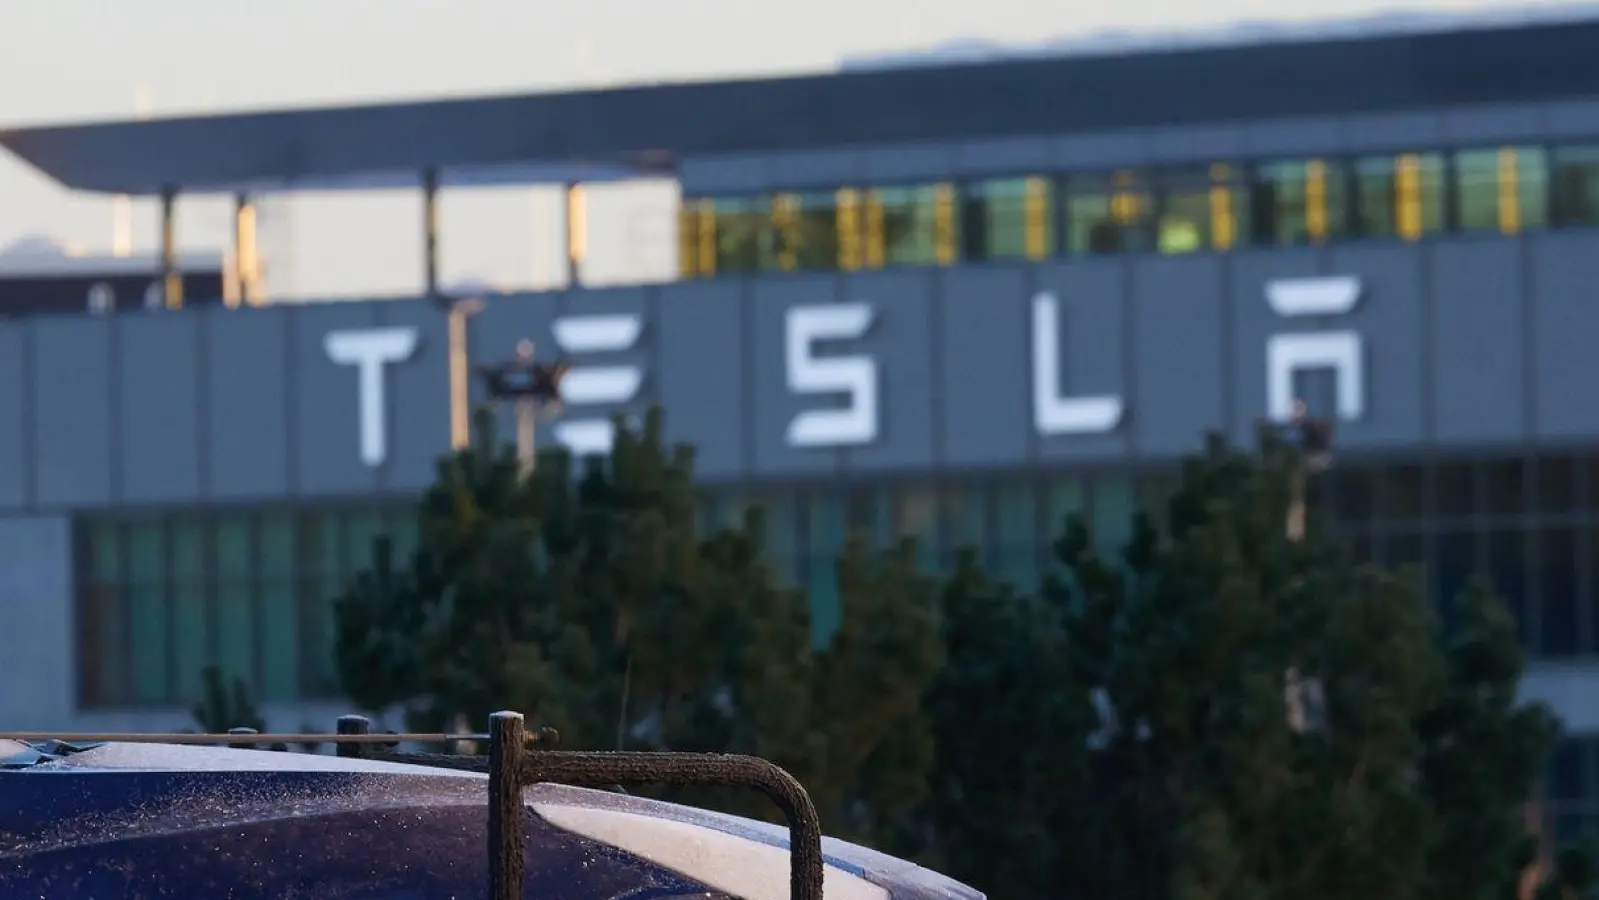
74	60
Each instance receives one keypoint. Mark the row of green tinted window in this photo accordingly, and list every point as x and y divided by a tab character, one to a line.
163	597
1213	208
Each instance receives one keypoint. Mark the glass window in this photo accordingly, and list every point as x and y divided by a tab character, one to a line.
1199	210
825	525
1557	484
1504	190
1112	514
1008	219
827	608
696	238
911	226
782	534
741	229
1354	490
235	603
1457	489
363	529
1575	183
1300	202
104	551
191	619
1454	566
1064	498
1506	490
1507	566
966	512
1568	776
1108	214
806	231
1400	196
1557	592
1404	492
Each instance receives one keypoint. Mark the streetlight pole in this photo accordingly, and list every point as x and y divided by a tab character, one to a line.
1314	436
533	388
460	366
526	412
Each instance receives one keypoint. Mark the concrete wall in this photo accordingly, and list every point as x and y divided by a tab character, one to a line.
1454	344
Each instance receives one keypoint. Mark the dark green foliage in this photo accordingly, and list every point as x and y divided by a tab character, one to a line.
596	607
1219	710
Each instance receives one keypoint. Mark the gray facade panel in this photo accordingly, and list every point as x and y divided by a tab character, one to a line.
418	397
1095	152
1450	352
723	174
701	383
775	405
911	162
1477	373
1391	132
1178	319
1565	320
1292	137
901	343
1091	335
985	379
73	409
14	429
1187	145
1253	322
158	386
326	403
826	169
1390	323
1573	119
504	322
248	427
1003	156
1495	123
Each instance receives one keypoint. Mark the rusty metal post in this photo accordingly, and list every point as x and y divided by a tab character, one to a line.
507	749
352	725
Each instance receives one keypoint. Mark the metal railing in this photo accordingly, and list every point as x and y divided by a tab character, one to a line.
517	759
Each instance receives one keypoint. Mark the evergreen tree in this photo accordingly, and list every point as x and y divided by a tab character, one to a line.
1236	713
596	607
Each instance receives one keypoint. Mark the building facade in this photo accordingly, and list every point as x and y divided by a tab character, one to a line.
961	339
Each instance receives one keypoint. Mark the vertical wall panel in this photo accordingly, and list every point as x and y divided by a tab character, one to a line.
326	403
1565	323
1092	338
1253	324
158	387
1179	330
984	379
699	374
901	341
73	440
1476	324
247	427
418	398
14	425
1392	328
775	406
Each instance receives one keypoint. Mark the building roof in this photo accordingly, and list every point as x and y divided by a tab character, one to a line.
616	133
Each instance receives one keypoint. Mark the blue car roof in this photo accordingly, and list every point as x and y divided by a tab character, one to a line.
147	820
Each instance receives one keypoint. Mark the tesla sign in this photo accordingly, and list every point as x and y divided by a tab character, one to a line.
1056	410
369	351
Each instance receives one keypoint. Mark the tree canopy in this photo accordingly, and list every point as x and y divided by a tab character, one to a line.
1218	709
